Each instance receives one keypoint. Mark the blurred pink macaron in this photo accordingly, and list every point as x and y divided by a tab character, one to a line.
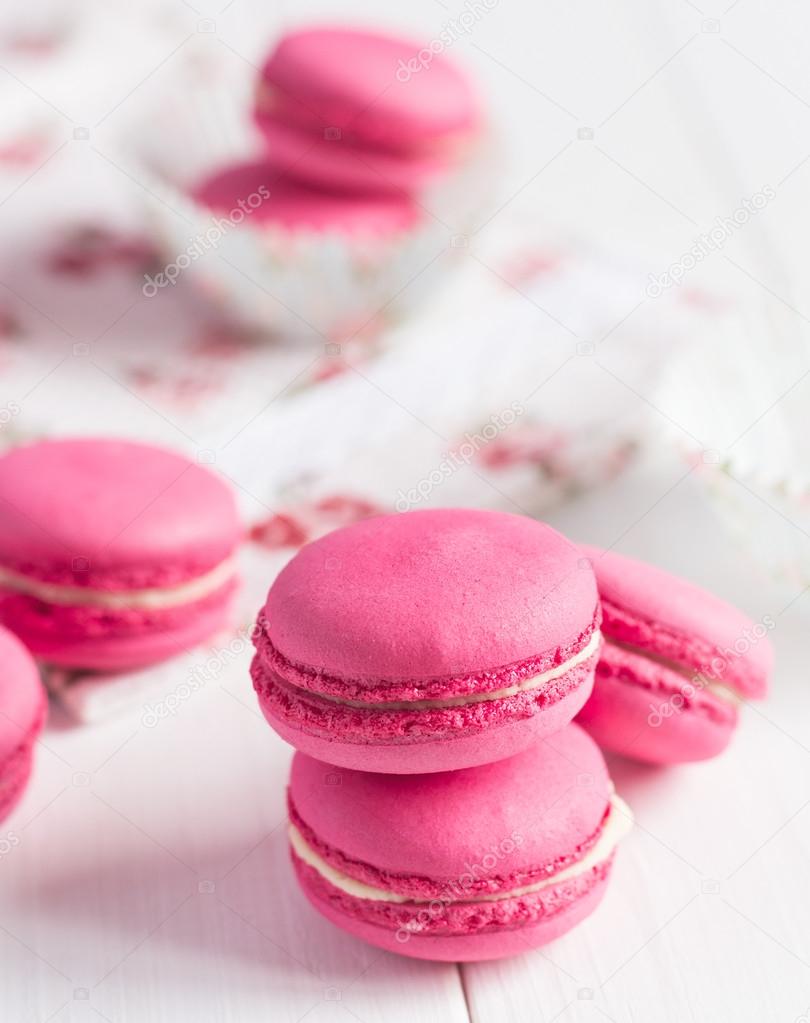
427	641
675	664
22	714
254	193
361	110
113	554
481	863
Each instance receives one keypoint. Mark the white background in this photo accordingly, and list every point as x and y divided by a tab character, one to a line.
151	880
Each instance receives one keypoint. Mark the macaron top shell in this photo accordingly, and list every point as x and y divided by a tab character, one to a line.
112	514
294	207
550	801
371	84
430	595
660	613
22	697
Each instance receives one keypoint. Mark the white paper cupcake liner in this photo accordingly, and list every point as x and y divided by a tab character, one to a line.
305	281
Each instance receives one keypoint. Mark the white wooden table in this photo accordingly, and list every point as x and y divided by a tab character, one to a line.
146	877
150	878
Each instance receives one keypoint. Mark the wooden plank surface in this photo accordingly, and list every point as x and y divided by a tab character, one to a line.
149	879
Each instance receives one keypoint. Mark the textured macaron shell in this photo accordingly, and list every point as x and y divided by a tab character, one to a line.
22	713
456	850
427	641
274	200
646	607
409	829
112	514
353	80
429	595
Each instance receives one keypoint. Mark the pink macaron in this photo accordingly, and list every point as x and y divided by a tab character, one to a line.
676	663
359	110
22	714
463	865
252	193
427	641
113	554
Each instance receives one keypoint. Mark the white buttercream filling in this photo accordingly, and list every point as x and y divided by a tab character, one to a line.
525	685
618	824
724	692
153	597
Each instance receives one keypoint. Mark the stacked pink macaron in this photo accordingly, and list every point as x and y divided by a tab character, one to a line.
427	667
353	125
362	111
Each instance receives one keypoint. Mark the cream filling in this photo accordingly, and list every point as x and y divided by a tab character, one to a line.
617	825
725	693
719	689
525	685
155	598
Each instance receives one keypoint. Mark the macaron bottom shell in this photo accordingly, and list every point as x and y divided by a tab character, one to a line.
507	728
647	712
561	908
84	637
